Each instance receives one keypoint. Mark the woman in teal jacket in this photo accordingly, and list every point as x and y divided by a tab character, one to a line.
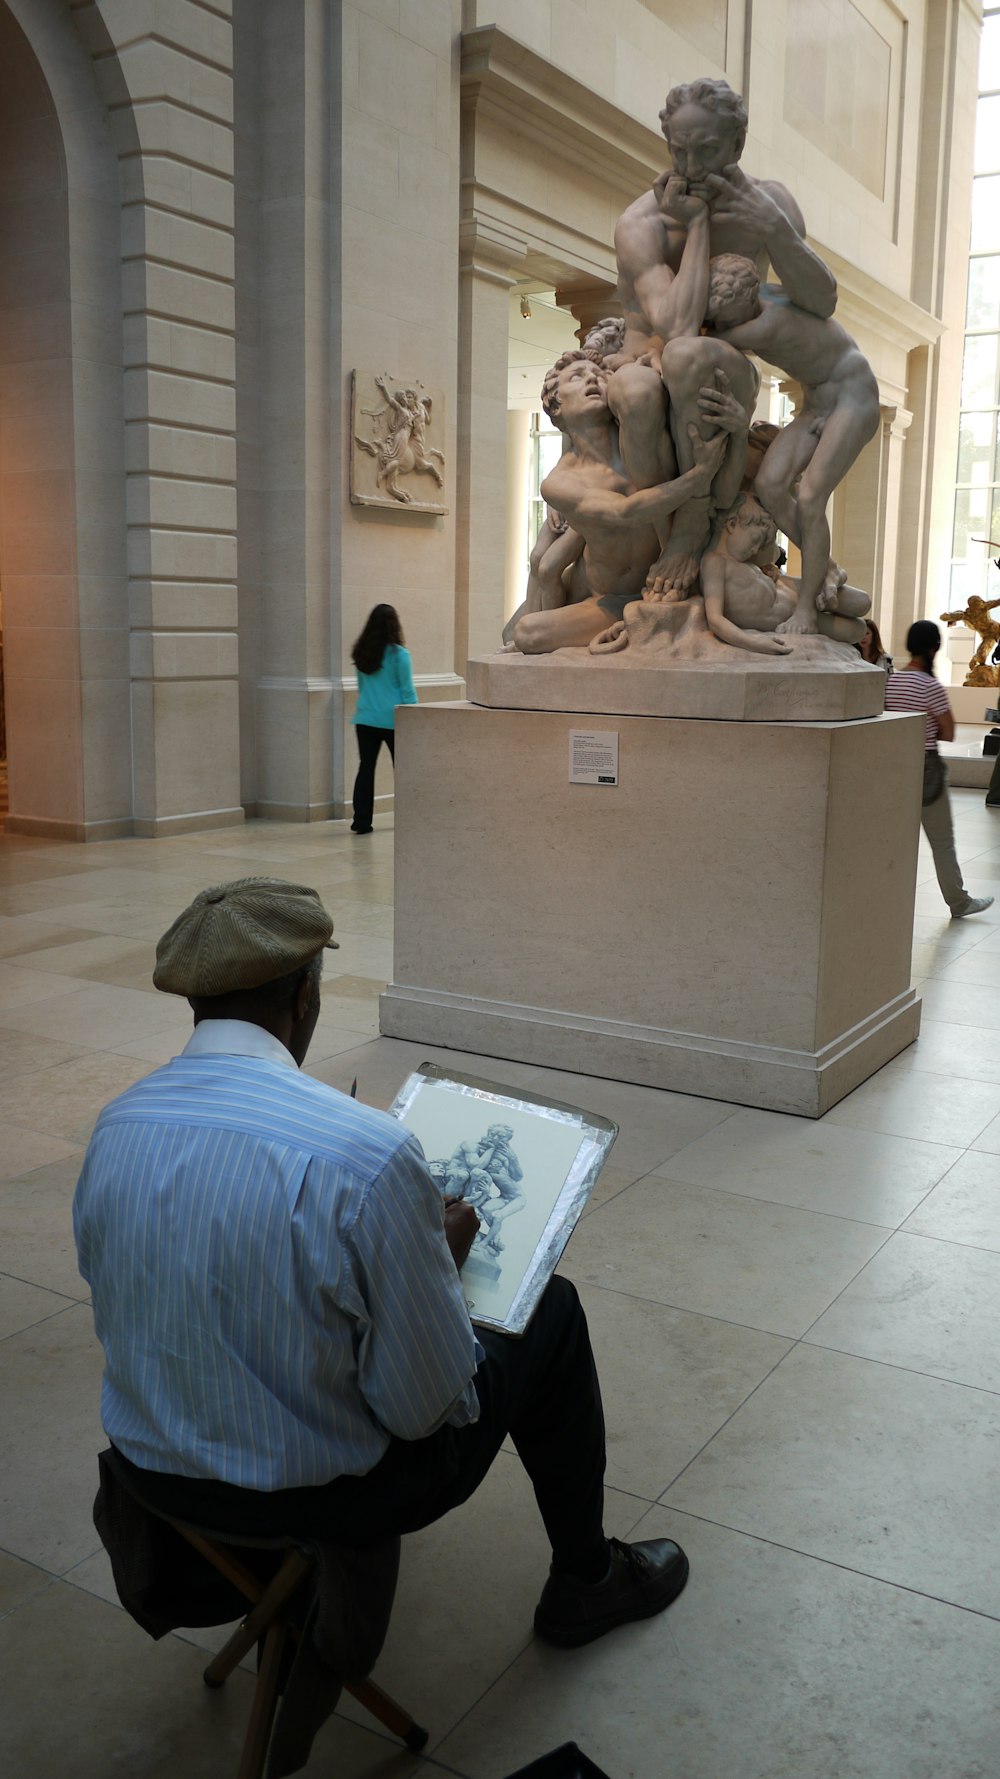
385	679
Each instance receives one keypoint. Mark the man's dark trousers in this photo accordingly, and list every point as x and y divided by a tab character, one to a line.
541	1389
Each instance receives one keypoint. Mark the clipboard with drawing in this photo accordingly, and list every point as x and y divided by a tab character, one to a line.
526	1164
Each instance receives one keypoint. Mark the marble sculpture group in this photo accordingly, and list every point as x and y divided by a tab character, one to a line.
662	513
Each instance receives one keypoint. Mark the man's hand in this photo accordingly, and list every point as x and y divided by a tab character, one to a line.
731	198
716	402
461	1227
677	201
708	453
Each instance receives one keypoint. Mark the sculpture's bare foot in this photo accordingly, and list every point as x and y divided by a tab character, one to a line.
400	494
662	591
675	572
801	623
673	575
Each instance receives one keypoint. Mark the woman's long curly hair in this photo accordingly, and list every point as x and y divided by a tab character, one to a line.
381	630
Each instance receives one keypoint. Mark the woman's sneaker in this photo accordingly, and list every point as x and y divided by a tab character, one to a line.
974	905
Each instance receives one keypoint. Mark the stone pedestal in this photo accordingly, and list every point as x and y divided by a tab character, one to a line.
733	918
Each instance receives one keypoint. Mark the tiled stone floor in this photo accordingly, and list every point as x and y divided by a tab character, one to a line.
797	1326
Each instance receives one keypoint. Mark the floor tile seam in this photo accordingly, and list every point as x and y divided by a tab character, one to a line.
846	1287
934	1377
934	1142
84	936
435	1741
58	994
946	1241
726	1118
782	1204
683	1310
19	1279
24	1177
915	1068
729	1417
13	1123
901	1227
43	1587
872	1130
797	1550
72	1303
971	1025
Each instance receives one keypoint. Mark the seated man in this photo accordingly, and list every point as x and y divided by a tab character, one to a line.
275	1285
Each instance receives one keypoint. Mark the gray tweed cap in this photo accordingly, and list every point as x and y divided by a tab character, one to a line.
240	935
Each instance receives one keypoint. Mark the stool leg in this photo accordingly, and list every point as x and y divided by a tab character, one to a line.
265	1704
274	1597
388	1712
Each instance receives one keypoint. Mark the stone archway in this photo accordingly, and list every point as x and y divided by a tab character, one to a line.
62	500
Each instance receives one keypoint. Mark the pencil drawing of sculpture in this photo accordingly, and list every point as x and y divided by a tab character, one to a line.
487	1174
646	504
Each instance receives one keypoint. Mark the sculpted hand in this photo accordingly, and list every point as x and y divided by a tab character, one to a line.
678	202
461	1227
708	453
717	403
732	199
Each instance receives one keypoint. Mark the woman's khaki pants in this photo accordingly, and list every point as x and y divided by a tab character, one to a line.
935	819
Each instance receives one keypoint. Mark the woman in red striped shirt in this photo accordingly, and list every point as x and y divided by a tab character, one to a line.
916	689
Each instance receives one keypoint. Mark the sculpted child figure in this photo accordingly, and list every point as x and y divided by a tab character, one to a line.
744	593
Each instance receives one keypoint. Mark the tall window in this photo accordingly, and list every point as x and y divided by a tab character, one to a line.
977	493
546	450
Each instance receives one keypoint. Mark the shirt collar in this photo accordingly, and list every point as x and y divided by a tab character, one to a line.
236	1037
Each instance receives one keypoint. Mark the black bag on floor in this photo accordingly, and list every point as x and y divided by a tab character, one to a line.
567	1762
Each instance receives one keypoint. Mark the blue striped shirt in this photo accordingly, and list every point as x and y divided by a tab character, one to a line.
271	1282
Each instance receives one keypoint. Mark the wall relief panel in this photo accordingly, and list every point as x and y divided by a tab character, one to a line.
842	69
397	429
706	25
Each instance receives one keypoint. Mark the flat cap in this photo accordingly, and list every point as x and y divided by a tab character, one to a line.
240	935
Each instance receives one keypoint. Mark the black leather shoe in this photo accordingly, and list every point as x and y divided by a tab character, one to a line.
643	1580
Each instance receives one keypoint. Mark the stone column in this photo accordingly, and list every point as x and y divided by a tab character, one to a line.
298	230
488	260
177	249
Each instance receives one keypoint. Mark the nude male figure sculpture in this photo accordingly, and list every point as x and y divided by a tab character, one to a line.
590	488
705	126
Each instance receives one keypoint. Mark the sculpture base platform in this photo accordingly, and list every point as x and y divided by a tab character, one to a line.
732	919
744	688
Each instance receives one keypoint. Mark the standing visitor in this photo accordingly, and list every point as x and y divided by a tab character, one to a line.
385	679
871	648
916	689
